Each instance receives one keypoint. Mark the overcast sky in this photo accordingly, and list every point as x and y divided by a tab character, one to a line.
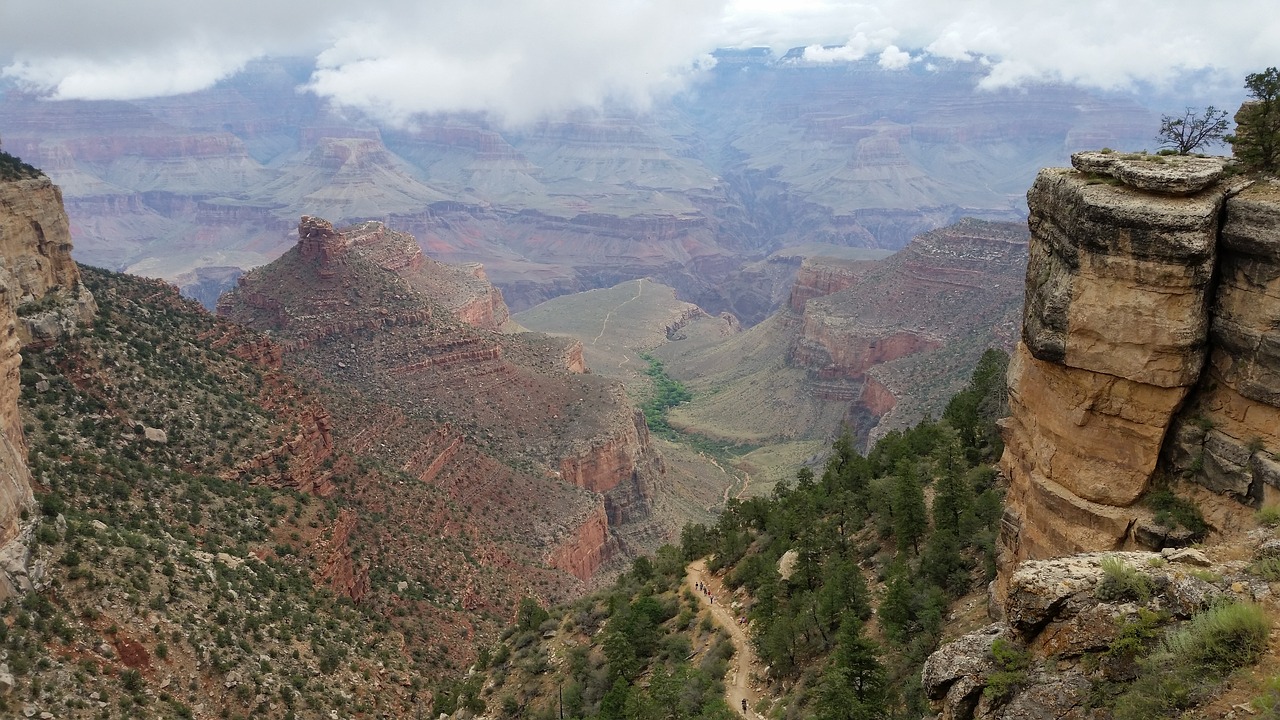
523	59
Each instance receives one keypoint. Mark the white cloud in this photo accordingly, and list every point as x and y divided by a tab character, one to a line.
536	57
855	49
521	59
891	58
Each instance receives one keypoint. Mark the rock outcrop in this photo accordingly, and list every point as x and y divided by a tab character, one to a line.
1114	333
1148	354
877	332
41	301
1064	617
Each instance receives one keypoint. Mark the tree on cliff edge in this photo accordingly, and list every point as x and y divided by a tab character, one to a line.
1193	130
1257	138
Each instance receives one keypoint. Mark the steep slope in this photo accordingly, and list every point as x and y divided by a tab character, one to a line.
874	344
41	301
506	419
1143	418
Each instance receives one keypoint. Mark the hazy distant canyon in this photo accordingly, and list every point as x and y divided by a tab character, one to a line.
765	154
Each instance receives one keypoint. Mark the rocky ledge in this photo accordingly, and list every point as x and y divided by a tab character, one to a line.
1064	616
1172	174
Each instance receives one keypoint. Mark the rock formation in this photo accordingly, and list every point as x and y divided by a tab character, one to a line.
1057	613
770	153
889	328
41	301
406	353
1147	355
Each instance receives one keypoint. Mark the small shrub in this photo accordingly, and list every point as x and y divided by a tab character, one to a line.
1013	662
1175	512
1121	582
1268	703
1222	638
1266	568
1208	576
1269	515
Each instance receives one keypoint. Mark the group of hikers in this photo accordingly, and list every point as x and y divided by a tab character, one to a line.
702	587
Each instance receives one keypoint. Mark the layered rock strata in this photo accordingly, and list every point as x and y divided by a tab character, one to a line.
1227	436
1149	351
407	352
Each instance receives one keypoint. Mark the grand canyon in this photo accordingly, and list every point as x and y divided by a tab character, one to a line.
819	389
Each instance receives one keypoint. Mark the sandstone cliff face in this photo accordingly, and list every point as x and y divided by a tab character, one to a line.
621	466
878	332
1148	352
41	301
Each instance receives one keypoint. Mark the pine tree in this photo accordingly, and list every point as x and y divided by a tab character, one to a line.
910	519
1257	138
855	685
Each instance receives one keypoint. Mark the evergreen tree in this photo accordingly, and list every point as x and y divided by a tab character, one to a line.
855	685
1257	138
910	519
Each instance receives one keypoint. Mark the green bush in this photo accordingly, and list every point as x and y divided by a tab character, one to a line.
11	168
1266	568
1269	515
1121	582
1013	662
1193	660
1222	638
1175	512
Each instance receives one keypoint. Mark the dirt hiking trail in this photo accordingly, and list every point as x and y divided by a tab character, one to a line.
745	666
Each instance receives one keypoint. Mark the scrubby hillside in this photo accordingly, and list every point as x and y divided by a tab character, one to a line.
209	548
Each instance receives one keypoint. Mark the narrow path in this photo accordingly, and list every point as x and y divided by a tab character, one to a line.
746	483
737	685
605	325
727	488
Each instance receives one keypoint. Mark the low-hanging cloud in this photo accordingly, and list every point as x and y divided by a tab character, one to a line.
523	59
1099	43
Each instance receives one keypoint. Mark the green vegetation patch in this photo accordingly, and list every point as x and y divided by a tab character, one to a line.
11	168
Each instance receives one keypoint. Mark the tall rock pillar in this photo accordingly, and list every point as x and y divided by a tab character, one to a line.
1122	256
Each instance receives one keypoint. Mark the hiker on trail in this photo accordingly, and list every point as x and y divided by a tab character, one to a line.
744	706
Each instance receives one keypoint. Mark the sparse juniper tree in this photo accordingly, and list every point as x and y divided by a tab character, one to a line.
1257	139
1194	129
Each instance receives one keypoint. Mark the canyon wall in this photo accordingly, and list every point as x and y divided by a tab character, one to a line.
552	463
903	333
41	301
1148	353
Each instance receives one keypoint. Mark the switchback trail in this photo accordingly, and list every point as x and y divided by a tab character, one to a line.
737	686
605	325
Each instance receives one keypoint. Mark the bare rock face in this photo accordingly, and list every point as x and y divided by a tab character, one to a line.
1172	174
1117	279
869	331
1061	614
1226	437
1115	336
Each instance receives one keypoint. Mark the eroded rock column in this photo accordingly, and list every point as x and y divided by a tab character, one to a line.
1115	331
